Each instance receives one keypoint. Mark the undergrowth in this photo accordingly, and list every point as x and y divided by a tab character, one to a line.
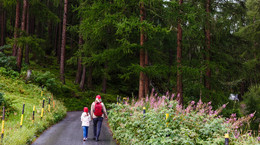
16	93
197	124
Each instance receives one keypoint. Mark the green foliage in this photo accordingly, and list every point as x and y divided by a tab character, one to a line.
85	99
14	93
46	79
196	124
8	62
9	73
7	103
251	98
4	47
34	43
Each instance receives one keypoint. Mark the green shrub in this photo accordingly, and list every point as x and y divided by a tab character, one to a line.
9	62
251	98
196	124
9	73
7	102
45	79
85	99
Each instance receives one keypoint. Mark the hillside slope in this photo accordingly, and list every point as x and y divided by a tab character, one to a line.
15	93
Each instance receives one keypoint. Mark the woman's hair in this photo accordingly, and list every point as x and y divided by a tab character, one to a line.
98	100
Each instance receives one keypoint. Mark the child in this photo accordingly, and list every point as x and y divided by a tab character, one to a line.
85	118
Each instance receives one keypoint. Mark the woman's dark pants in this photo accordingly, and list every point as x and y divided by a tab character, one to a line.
97	126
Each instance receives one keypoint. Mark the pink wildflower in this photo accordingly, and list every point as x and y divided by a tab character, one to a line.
224	106
252	115
237	135
209	103
163	97
147	99
192	102
233	115
172	96
178	96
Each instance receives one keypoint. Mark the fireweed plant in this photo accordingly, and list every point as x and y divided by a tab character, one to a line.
197	124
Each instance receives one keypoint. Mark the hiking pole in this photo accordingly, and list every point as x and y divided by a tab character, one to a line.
21	123
3	124
117	98
49	105
42	107
33	113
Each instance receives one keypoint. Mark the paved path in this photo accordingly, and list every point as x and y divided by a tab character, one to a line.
69	132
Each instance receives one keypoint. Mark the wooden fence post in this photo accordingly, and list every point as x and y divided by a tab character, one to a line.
226	139
33	113
144	111
49	105
21	123
3	124
42	107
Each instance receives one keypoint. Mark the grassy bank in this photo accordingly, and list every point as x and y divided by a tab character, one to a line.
15	93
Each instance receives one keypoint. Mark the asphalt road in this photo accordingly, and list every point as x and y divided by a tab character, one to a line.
69	132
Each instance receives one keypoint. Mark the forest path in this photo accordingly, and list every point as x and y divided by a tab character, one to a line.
69	132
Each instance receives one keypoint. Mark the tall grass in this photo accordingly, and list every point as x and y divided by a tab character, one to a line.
18	93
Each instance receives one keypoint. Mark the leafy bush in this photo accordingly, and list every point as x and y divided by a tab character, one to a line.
9	73
196	124
7	103
8	62
85	99
45	79
251	98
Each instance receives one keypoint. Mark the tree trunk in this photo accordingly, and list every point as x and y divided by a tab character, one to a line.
55	39
170	63
146	83
50	41
179	57
20	49
142	55
32	25
58	52
63	43
50	33
83	77
78	75
17	17
27	31
242	91
90	70
104	81
208	72
2	19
